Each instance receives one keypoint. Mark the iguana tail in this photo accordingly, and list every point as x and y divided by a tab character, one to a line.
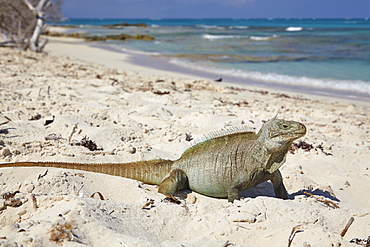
151	172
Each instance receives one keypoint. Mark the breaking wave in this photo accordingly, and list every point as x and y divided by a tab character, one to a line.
238	27
210	27
294	29
262	38
347	85
214	37
133	51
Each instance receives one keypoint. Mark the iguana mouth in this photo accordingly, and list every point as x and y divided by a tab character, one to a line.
292	134
297	133
302	130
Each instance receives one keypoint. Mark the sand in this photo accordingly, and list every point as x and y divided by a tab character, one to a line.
135	113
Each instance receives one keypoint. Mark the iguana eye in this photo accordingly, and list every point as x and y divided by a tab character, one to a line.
285	126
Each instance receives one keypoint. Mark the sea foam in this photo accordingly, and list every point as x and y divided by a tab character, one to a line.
210	27
260	38
330	84
213	37
294	29
239	27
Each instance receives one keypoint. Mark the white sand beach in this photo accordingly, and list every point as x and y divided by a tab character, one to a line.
135	113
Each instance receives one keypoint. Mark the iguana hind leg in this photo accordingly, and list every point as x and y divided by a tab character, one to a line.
177	180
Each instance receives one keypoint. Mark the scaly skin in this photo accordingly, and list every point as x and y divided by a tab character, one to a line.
220	167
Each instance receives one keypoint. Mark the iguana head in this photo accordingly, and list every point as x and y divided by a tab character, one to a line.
278	134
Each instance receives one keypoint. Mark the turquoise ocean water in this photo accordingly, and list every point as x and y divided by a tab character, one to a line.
330	54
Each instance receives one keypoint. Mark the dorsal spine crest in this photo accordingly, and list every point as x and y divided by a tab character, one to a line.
223	132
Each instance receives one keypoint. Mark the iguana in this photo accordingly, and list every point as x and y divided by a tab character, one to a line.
221	167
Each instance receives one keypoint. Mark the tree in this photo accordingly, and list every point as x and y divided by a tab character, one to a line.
22	21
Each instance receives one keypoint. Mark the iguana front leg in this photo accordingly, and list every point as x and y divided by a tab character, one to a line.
248	180
277	181
177	180
243	181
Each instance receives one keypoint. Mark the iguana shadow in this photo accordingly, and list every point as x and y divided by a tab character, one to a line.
266	189
316	192
262	189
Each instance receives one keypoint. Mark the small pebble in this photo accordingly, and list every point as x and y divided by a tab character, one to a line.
53	137
6	152
131	150
191	199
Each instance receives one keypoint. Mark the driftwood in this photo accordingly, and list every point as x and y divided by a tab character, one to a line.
326	202
13	44
296	229
349	223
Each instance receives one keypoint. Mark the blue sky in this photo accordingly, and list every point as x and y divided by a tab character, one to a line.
216	8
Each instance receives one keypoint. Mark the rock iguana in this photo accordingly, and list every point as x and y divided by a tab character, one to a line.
220	167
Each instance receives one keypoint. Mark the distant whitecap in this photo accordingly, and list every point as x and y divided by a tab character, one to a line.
294	29
212	37
260	38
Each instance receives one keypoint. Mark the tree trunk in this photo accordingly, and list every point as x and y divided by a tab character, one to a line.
34	41
39	12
